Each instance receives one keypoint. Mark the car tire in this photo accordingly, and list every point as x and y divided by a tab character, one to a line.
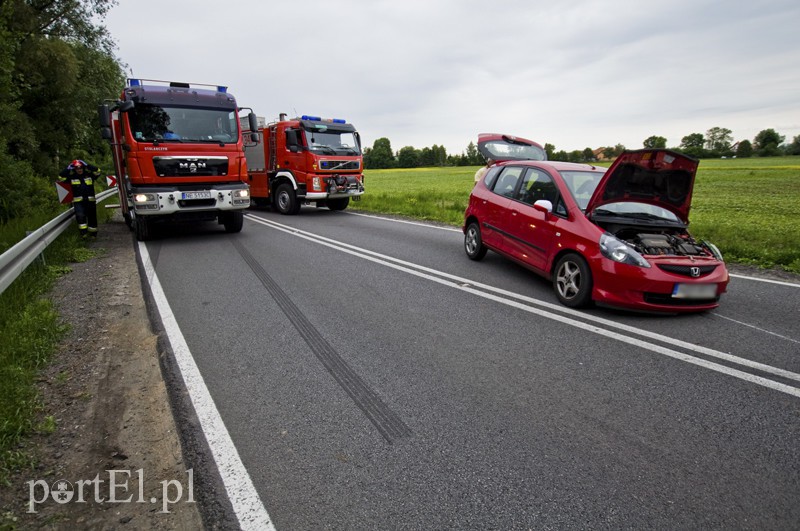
473	243
338	204
572	281
144	229
286	200
233	221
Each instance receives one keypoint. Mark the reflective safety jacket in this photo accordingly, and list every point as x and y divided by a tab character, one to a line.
82	183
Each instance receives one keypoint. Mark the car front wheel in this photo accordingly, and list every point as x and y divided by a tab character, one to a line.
473	244
573	281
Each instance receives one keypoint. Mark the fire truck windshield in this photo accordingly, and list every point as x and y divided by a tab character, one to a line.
331	142
157	123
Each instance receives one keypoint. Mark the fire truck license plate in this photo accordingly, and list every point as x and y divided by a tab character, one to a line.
694	291
196	195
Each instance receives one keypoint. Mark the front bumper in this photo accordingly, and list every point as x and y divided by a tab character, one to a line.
652	289
338	186
164	201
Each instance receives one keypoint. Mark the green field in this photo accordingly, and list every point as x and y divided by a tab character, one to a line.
750	208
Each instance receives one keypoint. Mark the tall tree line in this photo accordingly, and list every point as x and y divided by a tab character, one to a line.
56	66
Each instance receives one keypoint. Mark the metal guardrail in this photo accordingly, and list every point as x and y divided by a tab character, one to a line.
14	261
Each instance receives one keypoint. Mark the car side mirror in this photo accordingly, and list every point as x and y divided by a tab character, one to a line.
543	205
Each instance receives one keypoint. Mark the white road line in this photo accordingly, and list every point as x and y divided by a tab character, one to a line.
469	286
757	328
246	503
420	224
790	284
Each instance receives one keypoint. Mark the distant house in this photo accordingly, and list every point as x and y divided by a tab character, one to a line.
599	154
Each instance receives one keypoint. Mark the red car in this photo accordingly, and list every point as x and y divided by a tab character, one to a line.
617	237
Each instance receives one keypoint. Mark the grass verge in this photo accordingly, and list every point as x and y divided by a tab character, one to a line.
30	330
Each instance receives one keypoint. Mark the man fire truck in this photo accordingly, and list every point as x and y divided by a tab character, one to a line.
306	160
178	154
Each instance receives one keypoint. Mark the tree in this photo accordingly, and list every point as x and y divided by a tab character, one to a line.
48	51
693	145
655	142
588	155
472	156
380	156
549	149
718	141
794	147
408	157
744	150
766	143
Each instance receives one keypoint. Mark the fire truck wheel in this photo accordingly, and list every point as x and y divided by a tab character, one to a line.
233	221
338	204
144	230
286	200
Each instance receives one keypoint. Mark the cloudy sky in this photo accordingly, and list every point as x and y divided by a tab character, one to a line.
587	73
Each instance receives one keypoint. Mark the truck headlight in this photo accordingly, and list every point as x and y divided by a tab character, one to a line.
144	198
241	197
619	251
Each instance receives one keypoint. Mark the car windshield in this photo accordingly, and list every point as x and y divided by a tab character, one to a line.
332	142
157	123
639	211
582	184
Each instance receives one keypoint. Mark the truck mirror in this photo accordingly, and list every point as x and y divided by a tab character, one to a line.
293	148
253	121
105	116
105	133
125	106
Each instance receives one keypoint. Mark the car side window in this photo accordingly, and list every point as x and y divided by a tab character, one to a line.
560	208
490	176
537	185
507	181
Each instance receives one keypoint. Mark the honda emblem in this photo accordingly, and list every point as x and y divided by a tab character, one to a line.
694	271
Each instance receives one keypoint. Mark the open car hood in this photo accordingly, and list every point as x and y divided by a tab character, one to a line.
657	177
500	148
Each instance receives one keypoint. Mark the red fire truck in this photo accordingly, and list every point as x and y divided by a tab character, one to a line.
178	154
306	160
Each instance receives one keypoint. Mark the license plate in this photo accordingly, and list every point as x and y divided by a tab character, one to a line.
694	291
196	195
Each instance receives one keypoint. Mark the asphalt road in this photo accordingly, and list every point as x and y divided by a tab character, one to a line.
370	376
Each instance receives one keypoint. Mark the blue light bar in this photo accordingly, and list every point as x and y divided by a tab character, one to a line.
312	118
135	82
339	121
222	89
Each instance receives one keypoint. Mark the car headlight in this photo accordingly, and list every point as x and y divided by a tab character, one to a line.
619	251
241	194
714	250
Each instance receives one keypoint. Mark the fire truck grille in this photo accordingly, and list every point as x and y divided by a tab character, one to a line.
339	165
190	166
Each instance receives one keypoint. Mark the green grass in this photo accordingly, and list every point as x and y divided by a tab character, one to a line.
747	207
30	330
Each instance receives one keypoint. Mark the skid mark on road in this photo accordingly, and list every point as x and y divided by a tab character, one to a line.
387	422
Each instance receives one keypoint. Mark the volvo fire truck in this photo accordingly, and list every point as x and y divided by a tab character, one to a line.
309	160
178	154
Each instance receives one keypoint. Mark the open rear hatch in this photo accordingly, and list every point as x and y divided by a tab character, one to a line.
501	148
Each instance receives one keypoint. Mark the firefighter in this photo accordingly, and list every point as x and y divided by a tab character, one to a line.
81	177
